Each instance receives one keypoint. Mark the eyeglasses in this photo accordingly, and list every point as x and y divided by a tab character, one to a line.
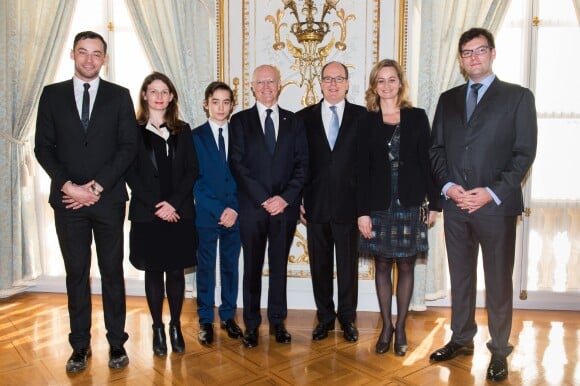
337	79
476	51
161	93
264	83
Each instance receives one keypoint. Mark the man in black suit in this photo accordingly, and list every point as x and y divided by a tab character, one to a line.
86	138
484	142
268	158
335	130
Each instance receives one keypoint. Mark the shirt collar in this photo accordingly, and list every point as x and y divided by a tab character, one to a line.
262	109
215	127
78	83
339	106
485	82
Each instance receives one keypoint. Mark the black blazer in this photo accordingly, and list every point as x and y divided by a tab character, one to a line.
103	153
260	175
494	149
143	177
332	191
415	179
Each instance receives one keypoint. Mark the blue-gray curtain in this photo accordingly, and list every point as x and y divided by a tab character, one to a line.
178	37
32	37
442	23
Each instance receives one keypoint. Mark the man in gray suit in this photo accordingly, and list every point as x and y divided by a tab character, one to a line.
484	142
86	138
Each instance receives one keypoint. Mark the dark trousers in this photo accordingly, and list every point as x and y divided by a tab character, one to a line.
464	234
229	255
75	230
323	239
278	233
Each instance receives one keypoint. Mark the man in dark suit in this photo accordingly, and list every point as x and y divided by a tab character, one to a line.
86	138
335	130
216	204
484	142
269	160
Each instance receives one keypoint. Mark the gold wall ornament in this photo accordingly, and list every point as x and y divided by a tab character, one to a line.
301	243
310	34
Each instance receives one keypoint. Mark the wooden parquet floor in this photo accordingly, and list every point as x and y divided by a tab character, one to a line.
34	349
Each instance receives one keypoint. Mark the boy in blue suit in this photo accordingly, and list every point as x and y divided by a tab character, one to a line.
216	207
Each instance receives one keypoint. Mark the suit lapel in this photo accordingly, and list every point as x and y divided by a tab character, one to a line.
318	127
460	102
206	135
69	104
99	107
347	118
283	128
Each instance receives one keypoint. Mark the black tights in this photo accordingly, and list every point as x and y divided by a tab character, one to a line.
155	290
384	286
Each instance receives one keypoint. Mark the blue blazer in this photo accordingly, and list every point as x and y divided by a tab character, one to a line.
215	188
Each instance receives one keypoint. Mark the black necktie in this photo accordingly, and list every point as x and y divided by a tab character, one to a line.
269	133
472	100
222	145
86	106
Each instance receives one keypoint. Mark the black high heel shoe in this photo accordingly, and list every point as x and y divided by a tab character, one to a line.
176	338
159	341
383	347
401	349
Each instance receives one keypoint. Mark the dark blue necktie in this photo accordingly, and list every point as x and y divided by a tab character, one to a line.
472	100
222	145
269	133
85	106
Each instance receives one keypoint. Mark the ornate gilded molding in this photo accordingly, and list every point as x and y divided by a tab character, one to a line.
402	38
310	53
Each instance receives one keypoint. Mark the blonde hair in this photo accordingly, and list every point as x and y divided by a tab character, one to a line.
372	98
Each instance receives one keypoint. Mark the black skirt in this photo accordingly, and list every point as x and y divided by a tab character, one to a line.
163	246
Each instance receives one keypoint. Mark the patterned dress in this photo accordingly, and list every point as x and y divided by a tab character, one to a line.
398	232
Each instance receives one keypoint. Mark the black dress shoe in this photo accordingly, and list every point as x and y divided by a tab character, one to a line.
250	338
400	347
78	360
498	368
450	351
159	341
383	346
321	330
176	338
205	335
118	357
279	331
350	332
234	331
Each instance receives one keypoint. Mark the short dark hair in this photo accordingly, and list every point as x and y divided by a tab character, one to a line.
216	85
89	35
472	34
329	63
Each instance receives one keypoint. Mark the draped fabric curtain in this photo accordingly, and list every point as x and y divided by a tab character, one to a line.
177	38
442	23
32	32
577	8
